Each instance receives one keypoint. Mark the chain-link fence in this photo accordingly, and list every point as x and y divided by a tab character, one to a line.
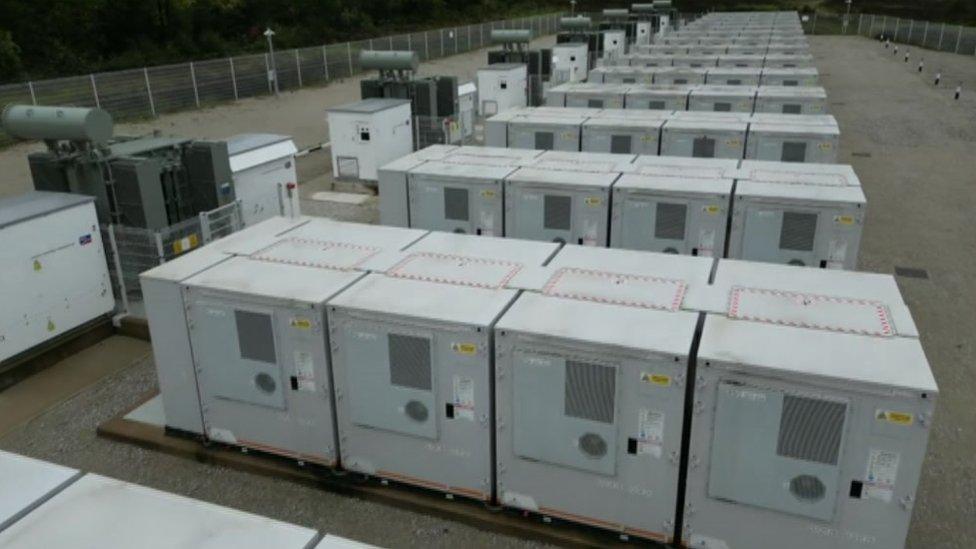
925	34
151	91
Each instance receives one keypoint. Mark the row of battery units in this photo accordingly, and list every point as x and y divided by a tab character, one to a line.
695	134
707	60
720	47
720	76
410	356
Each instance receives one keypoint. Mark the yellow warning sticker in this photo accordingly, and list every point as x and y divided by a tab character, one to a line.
826	145
37	265
186	244
50	325
301	323
898	418
593	201
845	219
732	142
648	138
488	193
660	380
465	348
712	210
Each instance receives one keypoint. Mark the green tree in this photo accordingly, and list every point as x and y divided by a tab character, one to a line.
10	64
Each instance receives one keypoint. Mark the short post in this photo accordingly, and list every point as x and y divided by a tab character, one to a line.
152	103
273	70
860	19
325	63
884	25
871	27
349	56
30	88
457	33
117	263
98	103
298	67
941	34
481	35
204	228
233	76
193	79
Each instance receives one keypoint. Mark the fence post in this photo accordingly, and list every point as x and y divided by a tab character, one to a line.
941	34
349	56
233	77
895	35
98	103
925	34
813	30
159	247
267	72
193	79
871	29
152	103
958	37
481	35
442	42
426	48
117	263
325	63
469	37
370	46
30	88
911	26
884	25
860	19
457	38
409	42
204	228
391	42
298	67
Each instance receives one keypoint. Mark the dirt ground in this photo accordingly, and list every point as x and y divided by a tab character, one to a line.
911	144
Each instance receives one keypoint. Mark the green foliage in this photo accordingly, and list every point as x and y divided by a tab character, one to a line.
10	66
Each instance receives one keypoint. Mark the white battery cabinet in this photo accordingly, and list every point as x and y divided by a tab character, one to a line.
496	127
545	133
811	225
622	135
643	33
392	183
55	274
368	134
830	175
676	166
786	49
501	87
623	75
589	412
790	77
26	483
596	96
791	100
677	215
822	451
570	63
722	99
651	60
734	76
783	61
679	76
741	61
457	198
703	138
661	98
694	61
591	162
789	143
265	177
467	107
558	206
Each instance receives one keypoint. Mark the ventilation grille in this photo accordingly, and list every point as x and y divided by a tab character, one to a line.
810	429
590	389
794	152
792	109
733	82
791	83
703	147
669	221
594	103
620	144
656	105
409	361
722	107
544	141
558	212
348	166
255	337
456	204
798	231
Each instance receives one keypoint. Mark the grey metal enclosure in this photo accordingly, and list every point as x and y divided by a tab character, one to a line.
651	60
677	76
624	75
783	61
558	206
663	98
678	215
695	61
546	133
733	76
791	100
790	77
742	61
785	143
723	99
622	135
457	198
703	138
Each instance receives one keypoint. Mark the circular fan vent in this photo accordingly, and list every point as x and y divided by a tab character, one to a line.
265	383
807	488
416	411
593	445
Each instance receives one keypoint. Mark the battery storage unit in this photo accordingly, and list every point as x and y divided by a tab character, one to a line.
589	415
661	98
570	63
685	215
26	483
622	75
703	138
591	162
679	76
559	206
412	356
733	76
55	275
791	100
265	178
501	87
809	224
652	60
790	77
676	166
368	134
545	133
695	61
823	451
793	143
622	135
783	61
829	175
457	198
722	99
742	61
587	95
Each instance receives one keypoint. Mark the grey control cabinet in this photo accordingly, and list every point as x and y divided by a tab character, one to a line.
790	77
659	98
791	100
822	453
622	135
723	99
704	138
811	225
732	76
545	133
559	206
678	215
679	76
588	418
457	198
597	96
790	143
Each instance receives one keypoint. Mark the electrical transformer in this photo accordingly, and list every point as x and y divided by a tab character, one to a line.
793	143
614	44
501	87
791	100
569	63
694	61
265	177
457	198
733	76
412	362
742	61
723	99
559	206
810	224
663	98
622	135
790	77
589	416
368	134
679	76
703	138
679	215
55	278
812	408
546	133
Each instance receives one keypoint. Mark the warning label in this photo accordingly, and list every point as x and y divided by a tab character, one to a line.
898	418
305	371
660	380
650	432
881	474
464	398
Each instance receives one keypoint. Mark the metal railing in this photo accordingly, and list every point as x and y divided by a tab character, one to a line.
151	91
925	34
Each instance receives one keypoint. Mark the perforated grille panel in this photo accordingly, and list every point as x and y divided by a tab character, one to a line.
594	103
733	82
456	204
794	152
558	212
798	231
544	141
722	107
669	221
811	429
791	82
410	361
590	390
792	109
620	144
704	147
255	336
656	105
